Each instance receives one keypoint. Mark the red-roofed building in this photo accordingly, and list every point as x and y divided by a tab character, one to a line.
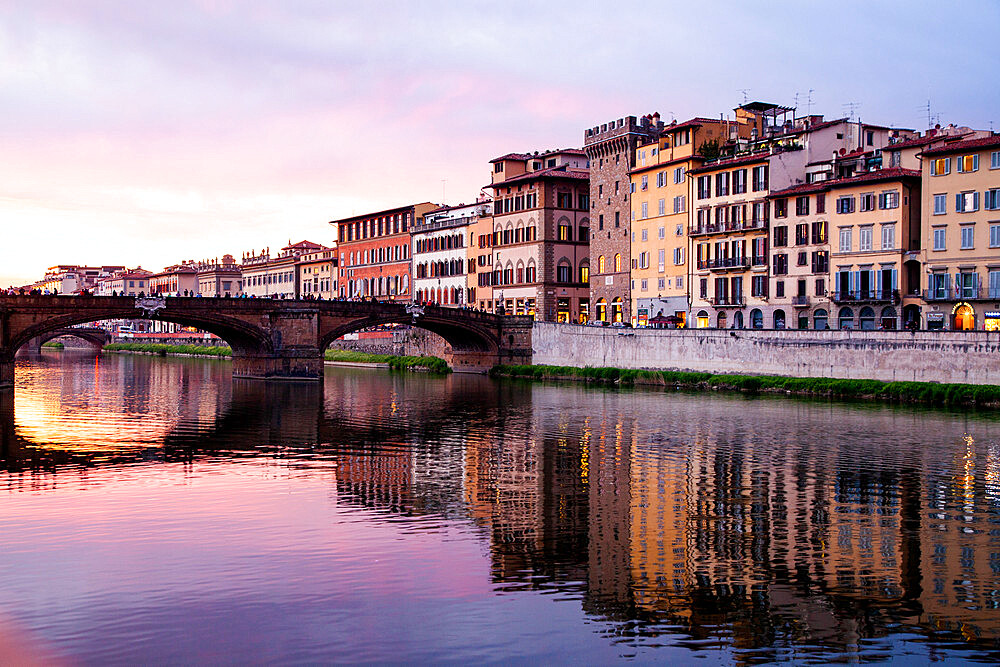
541	236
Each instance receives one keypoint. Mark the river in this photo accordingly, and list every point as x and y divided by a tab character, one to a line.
154	510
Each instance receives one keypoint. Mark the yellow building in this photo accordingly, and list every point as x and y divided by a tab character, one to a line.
317	274
961	234
661	197
875	224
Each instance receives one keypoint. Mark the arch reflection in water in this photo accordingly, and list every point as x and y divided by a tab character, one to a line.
753	526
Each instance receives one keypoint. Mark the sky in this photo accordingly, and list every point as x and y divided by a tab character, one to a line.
142	133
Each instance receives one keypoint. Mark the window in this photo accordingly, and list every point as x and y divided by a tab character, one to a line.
679	204
600	264
865	239
739	181
661	260
995	236
600	221
779	291
565	233
941	166
703	288
867	202
991	199
995	160
644	284
678	256
940	204
661	283
645	182
870	138
780	236
966	202
760	178
780	265
802	233
968	232
967	163
645	210
661	179
661	232
722	184
994	292
662	207
680	230
888	199
819	232
584	273
888	237
939	243
845	239
758	286
845	204
821	203
645	235
781	208
679	175
802	205
704	187
618	263
820	261
803	258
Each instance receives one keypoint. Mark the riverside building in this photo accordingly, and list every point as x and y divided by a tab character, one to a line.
274	277
440	254
541	235
611	149
220	278
374	252
961	234
661	196
479	258
317	274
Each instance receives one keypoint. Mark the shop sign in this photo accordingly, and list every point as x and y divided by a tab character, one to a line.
935	317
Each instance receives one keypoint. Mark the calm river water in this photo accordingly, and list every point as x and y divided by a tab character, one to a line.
155	510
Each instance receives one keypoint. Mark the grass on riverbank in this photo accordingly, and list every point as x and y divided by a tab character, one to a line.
907	392
164	349
55	345
433	364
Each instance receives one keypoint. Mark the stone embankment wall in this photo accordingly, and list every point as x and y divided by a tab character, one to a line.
922	356
404	342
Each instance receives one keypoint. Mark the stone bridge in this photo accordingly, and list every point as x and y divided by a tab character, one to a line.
271	338
95	336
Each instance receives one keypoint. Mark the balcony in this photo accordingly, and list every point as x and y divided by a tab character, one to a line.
727	264
800	301
866	296
731	300
760	260
726	228
961	294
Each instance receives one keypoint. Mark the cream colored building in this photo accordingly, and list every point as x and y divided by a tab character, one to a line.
274	277
318	274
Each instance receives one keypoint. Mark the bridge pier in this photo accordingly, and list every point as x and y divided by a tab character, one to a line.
6	371
297	365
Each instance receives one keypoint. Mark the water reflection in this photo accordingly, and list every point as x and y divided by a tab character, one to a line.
763	528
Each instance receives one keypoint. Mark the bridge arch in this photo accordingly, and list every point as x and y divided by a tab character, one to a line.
96	337
462	336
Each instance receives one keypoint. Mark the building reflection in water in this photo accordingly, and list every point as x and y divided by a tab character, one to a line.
757	523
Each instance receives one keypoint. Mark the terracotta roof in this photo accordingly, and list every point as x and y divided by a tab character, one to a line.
825	124
802	189
966	145
910	143
668	163
733	162
889	174
694	122
552	172
378	214
512	156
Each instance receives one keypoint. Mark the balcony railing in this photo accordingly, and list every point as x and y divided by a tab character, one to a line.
728	300
728	263
726	227
760	260
866	296
961	294
800	300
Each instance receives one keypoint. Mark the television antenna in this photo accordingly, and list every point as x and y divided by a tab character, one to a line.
851	108
932	118
746	94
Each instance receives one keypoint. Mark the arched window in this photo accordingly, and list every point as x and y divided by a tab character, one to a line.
887	319
738	319
584	272
564	271
618	263
616	309
867	318
702	319
779	319
530	275
821	319
756	319
519	273
406	284
845	318
721	320
602	309
600	264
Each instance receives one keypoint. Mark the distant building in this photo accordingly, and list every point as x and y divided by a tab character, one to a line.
72	278
541	235
479	257
220	278
439	249
274	277
176	280
374	252
318	274
125	282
